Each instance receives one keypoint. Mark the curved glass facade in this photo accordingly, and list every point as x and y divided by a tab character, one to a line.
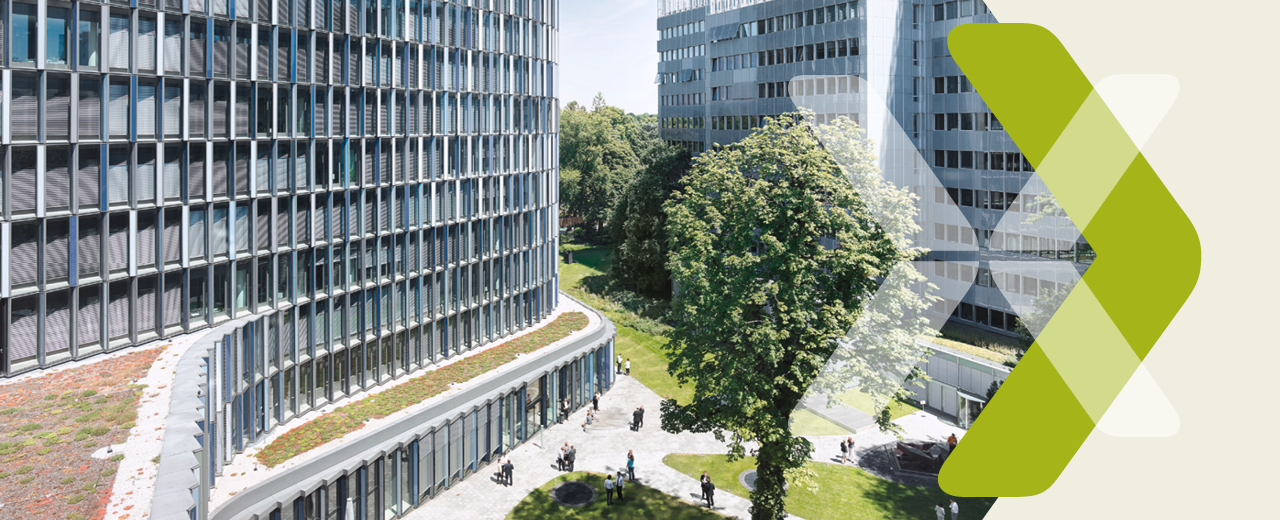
377	176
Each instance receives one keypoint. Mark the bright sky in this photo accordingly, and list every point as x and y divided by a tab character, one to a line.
609	46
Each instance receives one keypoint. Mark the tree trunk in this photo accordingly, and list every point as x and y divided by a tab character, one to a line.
768	501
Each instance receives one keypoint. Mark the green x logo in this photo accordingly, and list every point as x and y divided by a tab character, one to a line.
1148	262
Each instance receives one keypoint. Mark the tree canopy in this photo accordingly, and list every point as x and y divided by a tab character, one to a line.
638	226
600	151
774	253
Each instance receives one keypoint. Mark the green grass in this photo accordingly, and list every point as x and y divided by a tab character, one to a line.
585	280
641	503
806	423
843	492
863	402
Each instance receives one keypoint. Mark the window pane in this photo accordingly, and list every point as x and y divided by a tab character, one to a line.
24	33
89	27
58	32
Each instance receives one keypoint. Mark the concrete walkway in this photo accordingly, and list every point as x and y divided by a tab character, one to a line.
602	448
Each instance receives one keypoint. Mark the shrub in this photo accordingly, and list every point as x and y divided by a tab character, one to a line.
109	472
29	427
44	451
4	474
9	411
24	470
117	457
26	480
88	393
75	499
68	480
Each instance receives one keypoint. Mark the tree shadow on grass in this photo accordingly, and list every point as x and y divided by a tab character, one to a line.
641	502
900	501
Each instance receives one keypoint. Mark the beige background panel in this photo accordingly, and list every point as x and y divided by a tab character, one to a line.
1217	152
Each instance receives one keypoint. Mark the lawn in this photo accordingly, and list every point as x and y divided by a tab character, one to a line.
863	402
843	493
809	424
51	424
587	279
641	503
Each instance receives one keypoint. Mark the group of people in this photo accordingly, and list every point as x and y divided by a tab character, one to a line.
506	470
942	510
637	418
568	454
846	450
708	490
623	366
612	484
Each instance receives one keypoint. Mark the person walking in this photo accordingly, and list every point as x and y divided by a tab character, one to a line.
509	470
709	491
846	449
562	459
952	441
564	409
955	509
635	420
608	489
595	401
628	365
618	368
619	483
631	465
641	418
941	509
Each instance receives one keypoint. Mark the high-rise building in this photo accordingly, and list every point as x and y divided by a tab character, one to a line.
371	167
725	65
330	195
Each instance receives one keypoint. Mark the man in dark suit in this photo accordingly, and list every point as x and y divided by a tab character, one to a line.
571	457
641	418
635	420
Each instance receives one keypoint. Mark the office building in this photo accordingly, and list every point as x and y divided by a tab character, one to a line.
724	65
337	194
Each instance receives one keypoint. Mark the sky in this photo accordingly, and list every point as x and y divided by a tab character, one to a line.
609	46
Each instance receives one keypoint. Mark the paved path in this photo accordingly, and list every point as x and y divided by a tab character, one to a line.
603	448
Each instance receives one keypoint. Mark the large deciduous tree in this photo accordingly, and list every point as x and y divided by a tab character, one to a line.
773	252
638	226
593	144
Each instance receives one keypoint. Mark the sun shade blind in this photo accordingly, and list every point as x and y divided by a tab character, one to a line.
118	311
171	238
118	108
147	43
25	112
146	239
24	259
89	316
22	180
196	47
173	45
118	41
145	177
146	109
172	308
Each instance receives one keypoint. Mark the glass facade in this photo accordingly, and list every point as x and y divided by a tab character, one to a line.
377	180
394	484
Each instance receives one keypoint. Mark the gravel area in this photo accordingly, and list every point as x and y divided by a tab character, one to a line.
135	480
